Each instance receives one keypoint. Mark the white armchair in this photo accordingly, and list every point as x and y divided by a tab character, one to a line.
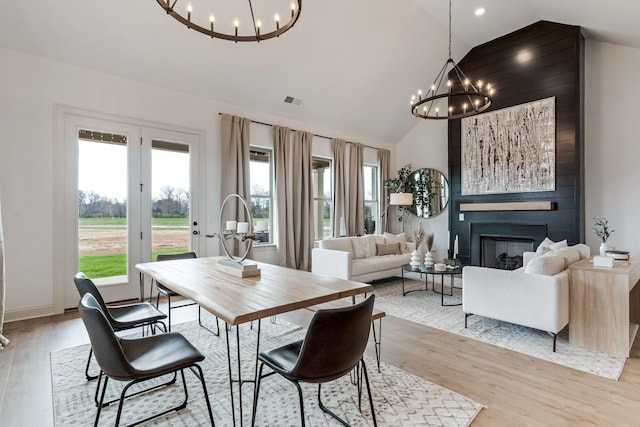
536	296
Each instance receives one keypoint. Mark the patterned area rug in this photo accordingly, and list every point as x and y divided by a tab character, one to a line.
400	398
424	307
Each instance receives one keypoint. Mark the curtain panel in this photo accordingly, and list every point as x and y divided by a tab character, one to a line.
235	178
384	159
294	189
339	184
355	196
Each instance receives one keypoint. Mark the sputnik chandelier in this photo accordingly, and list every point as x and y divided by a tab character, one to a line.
197	15
452	95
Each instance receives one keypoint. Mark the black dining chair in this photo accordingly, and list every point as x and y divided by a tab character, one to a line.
333	346
168	293
136	360
120	317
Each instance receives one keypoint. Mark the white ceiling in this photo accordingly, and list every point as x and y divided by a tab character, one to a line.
353	63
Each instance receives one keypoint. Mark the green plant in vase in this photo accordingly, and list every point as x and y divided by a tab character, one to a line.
603	231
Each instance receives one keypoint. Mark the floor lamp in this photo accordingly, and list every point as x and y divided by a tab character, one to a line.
398	199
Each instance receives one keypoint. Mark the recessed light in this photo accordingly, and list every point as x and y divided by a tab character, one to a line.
480	11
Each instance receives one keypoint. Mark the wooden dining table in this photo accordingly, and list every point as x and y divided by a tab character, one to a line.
238	300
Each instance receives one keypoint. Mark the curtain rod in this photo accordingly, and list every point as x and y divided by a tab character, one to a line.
314	134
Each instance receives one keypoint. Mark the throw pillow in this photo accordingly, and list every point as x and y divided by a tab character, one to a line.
558	245
360	247
544	246
547	265
570	254
397	238
388	249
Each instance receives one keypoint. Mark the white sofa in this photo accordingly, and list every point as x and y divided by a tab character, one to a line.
363	258
536	295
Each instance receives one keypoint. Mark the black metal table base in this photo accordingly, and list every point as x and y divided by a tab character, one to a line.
427	271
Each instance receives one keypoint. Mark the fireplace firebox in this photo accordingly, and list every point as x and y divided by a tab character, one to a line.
500	245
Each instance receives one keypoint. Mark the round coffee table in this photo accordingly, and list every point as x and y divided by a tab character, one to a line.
451	272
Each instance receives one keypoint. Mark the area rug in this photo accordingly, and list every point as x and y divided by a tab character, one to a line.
400	398
424	307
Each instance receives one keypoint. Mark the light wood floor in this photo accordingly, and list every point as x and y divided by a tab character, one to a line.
517	390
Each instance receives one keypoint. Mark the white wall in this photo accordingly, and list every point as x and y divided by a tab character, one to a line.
426	146
30	87
612	143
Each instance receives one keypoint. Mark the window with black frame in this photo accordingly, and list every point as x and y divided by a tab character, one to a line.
261	182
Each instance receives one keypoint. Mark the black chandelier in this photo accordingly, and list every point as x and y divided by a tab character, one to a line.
205	22
454	97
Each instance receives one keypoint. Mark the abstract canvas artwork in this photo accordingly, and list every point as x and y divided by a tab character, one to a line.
512	150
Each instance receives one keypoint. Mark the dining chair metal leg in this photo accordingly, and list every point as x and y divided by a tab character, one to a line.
366	379
327	410
300	398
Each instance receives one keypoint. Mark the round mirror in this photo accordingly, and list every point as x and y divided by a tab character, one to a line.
430	192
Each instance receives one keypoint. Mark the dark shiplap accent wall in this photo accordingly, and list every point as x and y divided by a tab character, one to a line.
556	69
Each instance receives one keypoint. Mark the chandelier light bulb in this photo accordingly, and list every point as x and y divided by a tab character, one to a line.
479	84
433	88
197	19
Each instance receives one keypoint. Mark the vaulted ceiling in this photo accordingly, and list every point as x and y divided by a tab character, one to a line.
354	64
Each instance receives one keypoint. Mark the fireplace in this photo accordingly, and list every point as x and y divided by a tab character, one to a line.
500	245
504	253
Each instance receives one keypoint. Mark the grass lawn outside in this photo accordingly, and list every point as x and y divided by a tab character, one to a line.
122	222
96	267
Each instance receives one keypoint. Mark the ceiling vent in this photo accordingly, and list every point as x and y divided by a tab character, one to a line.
292	100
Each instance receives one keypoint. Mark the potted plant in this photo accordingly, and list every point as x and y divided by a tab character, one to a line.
602	230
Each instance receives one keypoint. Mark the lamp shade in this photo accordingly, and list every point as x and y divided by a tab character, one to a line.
401	199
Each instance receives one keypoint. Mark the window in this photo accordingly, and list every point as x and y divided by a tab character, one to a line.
322	197
370	198
261	183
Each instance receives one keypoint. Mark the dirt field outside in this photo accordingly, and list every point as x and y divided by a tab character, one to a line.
113	240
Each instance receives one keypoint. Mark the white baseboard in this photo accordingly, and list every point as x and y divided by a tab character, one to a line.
28	313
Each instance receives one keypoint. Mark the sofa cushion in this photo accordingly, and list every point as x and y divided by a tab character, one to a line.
363	247
337	244
388	249
397	238
570	254
547	265
379	263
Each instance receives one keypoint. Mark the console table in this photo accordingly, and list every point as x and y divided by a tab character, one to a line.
604	306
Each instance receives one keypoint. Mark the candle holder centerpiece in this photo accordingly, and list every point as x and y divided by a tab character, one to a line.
237	231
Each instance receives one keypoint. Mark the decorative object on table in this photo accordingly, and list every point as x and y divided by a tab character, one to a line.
603	261
439	266
451	263
531	163
458	97
455	248
241	231
418	235
416	259
428	257
617	255
205	22
603	231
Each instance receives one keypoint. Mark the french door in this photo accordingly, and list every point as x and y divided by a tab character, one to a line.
131	192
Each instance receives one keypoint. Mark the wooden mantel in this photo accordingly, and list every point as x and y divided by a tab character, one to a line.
508	206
